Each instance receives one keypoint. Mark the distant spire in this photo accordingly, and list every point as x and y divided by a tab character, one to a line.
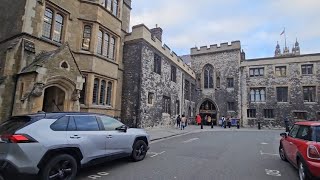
277	52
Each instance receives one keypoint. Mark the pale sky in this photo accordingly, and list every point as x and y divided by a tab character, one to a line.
256	23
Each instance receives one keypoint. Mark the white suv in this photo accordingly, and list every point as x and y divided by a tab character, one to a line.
56	145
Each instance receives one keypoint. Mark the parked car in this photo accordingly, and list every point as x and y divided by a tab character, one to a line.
301	148
56	145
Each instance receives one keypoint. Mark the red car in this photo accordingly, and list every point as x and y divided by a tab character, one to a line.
301	148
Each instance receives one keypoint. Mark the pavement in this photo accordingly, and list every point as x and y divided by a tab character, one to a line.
158	133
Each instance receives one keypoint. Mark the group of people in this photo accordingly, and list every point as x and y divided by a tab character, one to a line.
182	122
207	119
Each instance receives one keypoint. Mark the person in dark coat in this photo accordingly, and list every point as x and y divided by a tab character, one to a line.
178	121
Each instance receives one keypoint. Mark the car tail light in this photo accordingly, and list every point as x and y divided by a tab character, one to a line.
313	152
18	138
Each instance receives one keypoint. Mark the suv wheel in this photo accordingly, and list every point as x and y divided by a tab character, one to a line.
282	153
302	171
139	150
62	167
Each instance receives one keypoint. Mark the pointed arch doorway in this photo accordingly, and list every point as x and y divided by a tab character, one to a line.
208	108
54	99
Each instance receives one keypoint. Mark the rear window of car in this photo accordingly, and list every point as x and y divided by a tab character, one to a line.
14	124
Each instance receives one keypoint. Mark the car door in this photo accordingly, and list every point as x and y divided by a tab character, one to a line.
288	142
84	132
117	142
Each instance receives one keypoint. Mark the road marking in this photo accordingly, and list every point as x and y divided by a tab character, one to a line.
98	175
273	172
262	153
264	143
156	154
190	140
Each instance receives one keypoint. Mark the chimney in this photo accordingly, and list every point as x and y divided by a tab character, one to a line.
157	32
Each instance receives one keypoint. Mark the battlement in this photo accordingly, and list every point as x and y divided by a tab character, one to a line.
143	32
235	45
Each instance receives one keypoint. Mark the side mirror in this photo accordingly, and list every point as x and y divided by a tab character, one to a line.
122	128
284	135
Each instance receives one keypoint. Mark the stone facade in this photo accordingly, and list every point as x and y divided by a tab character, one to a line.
141	82
265	90
295	106
225	62
74	57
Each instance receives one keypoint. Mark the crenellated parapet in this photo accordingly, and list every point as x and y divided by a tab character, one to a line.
143	32
235	45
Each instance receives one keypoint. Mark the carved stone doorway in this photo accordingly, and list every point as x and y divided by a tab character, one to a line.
53	100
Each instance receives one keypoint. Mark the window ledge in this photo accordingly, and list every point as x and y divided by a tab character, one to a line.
258	102
252	118
309	102
100	107
270	119
231	111
51	41
307	75
283	102
149	105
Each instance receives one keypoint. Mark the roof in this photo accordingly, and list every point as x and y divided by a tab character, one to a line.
309	123
43	57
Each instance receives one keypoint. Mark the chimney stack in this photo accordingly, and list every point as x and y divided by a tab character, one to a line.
157	32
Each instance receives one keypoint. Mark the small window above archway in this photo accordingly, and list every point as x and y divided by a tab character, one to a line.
64	65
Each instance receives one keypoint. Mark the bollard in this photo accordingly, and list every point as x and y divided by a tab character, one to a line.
201	125
225	125
238	125
259	125
211	124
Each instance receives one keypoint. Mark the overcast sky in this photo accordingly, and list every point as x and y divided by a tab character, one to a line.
257	24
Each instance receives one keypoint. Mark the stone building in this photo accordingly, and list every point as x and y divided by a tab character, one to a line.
265	90
62	55
218	79
157	84
284	86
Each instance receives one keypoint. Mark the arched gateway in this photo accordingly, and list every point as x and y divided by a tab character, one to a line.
208	108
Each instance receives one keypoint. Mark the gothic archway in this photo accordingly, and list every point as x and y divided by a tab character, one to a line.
54	99
208	108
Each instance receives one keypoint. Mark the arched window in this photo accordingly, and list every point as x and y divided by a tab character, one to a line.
112	46
252	95
115	7
263	95
58	26
105	44
208	77
258	99
109	92
86	37
95	91
102	92
47	23
99	46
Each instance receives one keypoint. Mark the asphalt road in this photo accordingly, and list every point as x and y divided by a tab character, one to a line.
225	155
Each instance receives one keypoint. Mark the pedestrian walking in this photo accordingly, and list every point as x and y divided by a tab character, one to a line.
183	122
286	123
209	120
229	122
198	119
223	121
178	121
